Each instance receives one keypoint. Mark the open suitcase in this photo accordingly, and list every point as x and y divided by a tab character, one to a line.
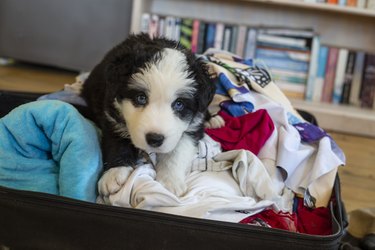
31	220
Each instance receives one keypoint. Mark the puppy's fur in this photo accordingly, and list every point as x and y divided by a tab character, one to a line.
150	95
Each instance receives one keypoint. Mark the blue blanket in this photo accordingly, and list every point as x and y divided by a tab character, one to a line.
47	146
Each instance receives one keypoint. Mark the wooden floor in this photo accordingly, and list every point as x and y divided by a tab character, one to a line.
357	177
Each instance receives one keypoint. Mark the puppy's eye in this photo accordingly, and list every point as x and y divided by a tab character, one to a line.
140	99
178	105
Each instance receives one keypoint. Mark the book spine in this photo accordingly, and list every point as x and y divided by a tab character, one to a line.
241	40
351	3
227	37
201	37
233	39
285	64
320	75
329	79
368	83
354	98
313	68
153	29
251	43
340	75
194	36
145	22
282	41
177	29
170	27
219	36
210	36
348	77
186	32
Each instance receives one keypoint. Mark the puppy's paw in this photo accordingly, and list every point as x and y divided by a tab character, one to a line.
215	122
113	179
176	186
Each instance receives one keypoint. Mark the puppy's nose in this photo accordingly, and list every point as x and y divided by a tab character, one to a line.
154	140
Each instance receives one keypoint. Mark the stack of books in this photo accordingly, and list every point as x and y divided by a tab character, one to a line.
298	63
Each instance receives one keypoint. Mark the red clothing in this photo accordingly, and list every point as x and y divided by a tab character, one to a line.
249	131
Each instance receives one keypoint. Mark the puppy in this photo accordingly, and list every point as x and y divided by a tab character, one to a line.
149	95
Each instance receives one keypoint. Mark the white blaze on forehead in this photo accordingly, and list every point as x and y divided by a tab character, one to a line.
167	76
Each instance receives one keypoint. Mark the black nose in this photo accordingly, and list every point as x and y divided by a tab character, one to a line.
154	140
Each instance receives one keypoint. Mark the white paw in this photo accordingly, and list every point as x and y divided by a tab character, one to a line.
173	184
113	179
215	122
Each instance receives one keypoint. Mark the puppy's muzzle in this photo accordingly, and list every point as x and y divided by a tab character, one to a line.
154	140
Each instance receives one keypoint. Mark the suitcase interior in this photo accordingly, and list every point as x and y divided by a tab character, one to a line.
31	220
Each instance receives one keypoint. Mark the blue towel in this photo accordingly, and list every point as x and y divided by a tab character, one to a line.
47	146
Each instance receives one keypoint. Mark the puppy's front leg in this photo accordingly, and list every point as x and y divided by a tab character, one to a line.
172	168
119	157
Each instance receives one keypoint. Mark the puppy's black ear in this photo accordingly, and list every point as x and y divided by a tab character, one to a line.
206	87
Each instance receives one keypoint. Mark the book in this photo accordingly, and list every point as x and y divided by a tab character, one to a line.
348	77
145	22
233	39
313	68
186	32
153	28
210	36
241	40
219	34
170	27
194	36
332	1
161	27
329	79
340	75
284	64
283	54
368	82
351	3
227	37
280	41
201	37
251	43
320	75
177	29
341	2
354	97
288	32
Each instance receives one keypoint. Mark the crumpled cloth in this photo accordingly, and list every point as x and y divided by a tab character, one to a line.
47	146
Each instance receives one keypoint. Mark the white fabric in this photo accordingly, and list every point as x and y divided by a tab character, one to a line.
235	185
307	166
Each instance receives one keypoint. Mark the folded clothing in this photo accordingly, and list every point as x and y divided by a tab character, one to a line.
47	146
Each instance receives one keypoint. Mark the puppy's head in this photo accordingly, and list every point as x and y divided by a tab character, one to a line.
160	90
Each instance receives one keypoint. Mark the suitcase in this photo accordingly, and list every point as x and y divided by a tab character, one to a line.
32	220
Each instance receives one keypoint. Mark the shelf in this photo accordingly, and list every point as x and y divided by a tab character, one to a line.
340	118
319	6
339	26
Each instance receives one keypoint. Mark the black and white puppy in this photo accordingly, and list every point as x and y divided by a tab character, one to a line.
149	95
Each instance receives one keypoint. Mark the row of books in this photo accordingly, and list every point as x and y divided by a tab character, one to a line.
285	52
294	57
344	76
363	4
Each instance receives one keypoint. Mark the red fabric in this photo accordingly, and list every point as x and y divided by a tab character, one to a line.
268	218
249	131
305	220
315	221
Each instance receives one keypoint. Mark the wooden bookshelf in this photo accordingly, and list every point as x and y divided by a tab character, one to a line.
338	26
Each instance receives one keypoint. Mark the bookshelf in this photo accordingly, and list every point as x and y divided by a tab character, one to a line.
339	26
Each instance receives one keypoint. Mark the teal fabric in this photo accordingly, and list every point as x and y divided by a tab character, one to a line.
47	146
